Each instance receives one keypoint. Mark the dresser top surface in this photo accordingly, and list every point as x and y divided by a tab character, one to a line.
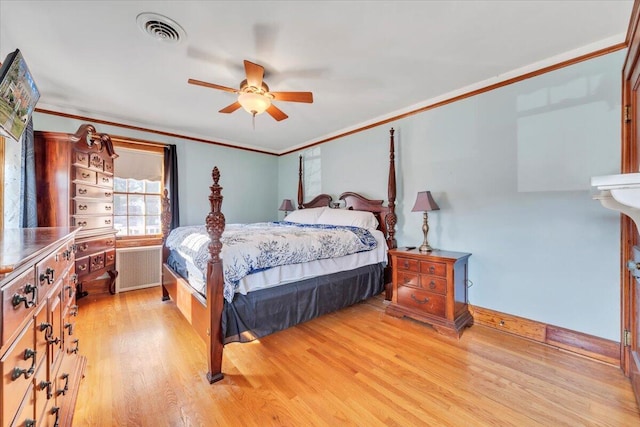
20	245
436	253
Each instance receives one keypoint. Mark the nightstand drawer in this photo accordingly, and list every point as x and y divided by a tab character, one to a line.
421	300
406	278
434	284
408	264
435	268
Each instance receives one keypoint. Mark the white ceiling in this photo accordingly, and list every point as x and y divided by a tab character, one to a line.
363	60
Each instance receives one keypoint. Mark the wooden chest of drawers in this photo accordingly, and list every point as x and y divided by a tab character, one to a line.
431	288
39	360
74	176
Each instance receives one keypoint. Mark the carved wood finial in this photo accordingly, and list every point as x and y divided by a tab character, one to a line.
215	220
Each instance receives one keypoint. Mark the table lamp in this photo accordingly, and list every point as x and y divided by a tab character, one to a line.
425	203
286	206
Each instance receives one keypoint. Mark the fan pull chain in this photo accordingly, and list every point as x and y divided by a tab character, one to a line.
253	120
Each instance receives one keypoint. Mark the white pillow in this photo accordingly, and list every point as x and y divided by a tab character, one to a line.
305	216
360	219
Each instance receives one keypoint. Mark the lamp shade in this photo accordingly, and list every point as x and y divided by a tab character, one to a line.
425	203
254	103
286	206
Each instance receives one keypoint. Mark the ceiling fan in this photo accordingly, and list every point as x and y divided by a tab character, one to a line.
254	95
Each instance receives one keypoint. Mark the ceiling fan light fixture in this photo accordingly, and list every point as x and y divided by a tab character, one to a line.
254	103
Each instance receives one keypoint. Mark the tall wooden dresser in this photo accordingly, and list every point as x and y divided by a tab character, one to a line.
74	178
40	361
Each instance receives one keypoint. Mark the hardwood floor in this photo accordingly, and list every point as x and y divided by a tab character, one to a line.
358	366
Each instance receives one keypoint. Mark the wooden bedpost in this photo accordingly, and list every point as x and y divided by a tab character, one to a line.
165	220
215	281
300	186
391	218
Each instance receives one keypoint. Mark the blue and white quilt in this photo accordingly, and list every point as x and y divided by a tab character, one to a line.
249	248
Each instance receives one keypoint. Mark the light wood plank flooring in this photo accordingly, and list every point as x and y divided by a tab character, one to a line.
146	367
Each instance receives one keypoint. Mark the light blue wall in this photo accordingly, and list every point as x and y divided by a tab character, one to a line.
248	179
510	171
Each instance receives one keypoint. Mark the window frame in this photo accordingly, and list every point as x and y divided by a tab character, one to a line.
149	146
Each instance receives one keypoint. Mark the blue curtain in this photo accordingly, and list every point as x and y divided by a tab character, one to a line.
28	205
171	182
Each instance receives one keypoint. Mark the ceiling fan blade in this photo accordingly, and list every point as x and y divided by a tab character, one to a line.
231	108
276	113
211	85
293	96
255	74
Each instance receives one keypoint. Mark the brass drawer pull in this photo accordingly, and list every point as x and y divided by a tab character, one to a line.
47	276
432	269
432	285
64	389
46	385
82	267
47	328
105	180
107	221
19	299
85	175
107	208
83	247
76	348
82	207
18	372
82	223
82	191
56	411
406	264
424	301
69	326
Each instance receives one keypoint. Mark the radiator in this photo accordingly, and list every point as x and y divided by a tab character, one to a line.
138	268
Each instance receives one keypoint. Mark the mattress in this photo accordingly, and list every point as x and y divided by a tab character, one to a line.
284	274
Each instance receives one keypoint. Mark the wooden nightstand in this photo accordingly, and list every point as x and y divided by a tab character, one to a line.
432	288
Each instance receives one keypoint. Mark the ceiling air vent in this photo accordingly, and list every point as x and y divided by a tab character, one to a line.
160	27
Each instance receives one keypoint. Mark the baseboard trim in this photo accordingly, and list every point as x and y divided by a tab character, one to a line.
597	348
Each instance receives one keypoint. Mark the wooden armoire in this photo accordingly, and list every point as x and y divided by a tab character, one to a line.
74	180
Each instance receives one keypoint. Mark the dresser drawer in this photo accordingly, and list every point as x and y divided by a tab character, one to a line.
427	302
90	264
19	298
87	247
25	416
105	180
90	192
96	262
18	369
110	257
83	175
409	264
433	284
435	268
82	266
85	207
81	159
90	222
96	162
108	165
54	266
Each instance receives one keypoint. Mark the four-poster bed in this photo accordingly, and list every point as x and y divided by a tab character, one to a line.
221	318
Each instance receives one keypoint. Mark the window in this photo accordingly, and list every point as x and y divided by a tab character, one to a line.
138	185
